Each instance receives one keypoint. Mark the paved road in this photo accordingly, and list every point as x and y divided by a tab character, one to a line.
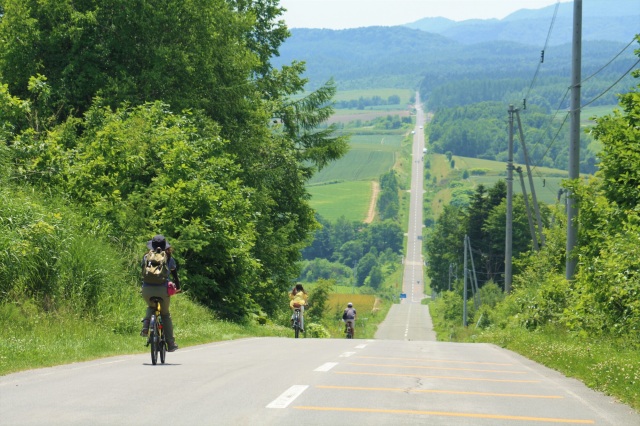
278	381
410	320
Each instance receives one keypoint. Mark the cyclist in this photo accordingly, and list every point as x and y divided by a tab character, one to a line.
150	290
298	299
349	317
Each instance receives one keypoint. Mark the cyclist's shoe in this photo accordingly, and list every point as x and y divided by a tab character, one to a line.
172	347
144	332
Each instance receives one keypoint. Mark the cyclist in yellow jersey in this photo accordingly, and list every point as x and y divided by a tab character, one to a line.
298	299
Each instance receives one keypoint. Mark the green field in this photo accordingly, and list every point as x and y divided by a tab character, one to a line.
546	181
348	199
384	142
357	165
344	186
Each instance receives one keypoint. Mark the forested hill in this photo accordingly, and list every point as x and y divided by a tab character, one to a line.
612	20
404	57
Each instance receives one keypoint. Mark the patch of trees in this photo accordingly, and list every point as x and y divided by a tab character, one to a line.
483	219
171	120
362	102
481	131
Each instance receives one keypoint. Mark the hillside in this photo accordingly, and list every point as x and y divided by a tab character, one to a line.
375	57
602	20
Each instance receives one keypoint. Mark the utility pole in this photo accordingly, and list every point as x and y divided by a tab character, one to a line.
574	143
536	207
464	305
526	202
509	231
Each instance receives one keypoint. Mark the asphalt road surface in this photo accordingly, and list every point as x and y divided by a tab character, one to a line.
281	381
402	377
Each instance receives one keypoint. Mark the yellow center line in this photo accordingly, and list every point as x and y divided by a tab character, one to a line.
427	367
437	377
510	395
449	414
435	360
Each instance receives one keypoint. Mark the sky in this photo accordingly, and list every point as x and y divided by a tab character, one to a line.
341	14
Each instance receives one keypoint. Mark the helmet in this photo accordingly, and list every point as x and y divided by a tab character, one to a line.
350	304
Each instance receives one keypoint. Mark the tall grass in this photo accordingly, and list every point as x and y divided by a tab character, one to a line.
70	292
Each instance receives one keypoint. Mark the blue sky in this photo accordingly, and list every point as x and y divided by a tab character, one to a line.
340	14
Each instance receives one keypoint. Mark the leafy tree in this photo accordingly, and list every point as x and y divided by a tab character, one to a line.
318	299
445	246
364	267
207	58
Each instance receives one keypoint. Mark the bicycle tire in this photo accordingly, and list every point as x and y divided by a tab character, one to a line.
162	345
154	339
296	325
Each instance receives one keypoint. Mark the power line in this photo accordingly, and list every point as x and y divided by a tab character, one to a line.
610	87
535	75
609	63
591	101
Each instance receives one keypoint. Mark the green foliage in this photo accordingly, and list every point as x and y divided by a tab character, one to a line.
324	269
318	299
55	257
317	331
229	168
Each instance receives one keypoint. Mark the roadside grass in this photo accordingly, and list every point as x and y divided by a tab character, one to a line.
603	364
32	338
378	141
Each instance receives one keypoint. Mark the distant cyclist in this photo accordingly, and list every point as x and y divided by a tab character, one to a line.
157	265
349	317
298	299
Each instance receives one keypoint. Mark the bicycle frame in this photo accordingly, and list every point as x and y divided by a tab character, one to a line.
156	333
296	322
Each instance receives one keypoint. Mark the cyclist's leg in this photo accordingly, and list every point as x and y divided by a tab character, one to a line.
167	322
147	293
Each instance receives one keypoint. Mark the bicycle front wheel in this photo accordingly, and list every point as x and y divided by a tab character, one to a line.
154	338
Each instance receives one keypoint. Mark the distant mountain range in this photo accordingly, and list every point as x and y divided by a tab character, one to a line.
433	51
611	20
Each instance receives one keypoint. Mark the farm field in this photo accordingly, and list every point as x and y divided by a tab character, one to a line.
344	186
357	164
547	181
347	115
348	199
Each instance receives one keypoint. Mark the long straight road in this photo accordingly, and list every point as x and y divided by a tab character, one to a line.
410	320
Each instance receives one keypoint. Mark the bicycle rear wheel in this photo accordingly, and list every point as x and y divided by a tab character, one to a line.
154	338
